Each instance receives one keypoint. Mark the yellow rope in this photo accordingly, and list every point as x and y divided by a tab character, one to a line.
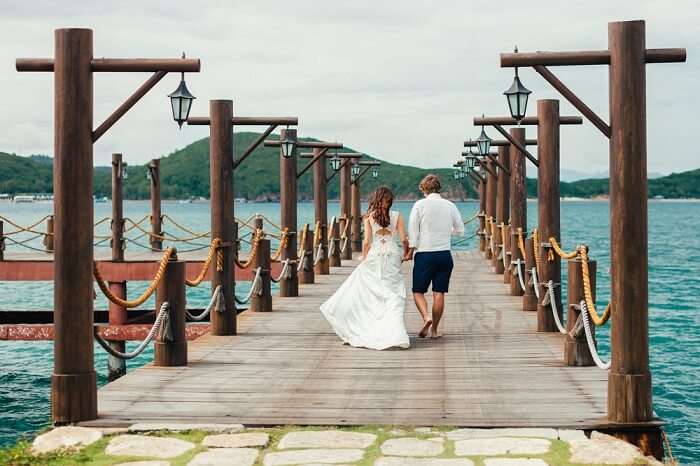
521	242
270	222
185	229
344	233
502	226
101	221
302	240
146	294
317	234
597	320
283	244
21	229
214	247
536	248
253	251
563	254
135	224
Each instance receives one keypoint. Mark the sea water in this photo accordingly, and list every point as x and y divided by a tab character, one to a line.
674	288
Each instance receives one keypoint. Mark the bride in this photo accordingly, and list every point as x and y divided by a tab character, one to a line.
368	309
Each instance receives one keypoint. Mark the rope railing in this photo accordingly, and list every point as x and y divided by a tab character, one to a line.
521	242
194	234
162	322
255	288
474	217
534	282
503	255
22	229
214	303
517	270
285	273
563	254
302	240
283	244
253	251
145	295
585	313
317	233
550	298
213	249
588	293
319	256
134	224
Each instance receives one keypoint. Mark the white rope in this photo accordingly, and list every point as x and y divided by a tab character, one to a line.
255	288
331	248
216	301
162	320
589	338
535	282
319	254
302	260
344	246
285	273
503	256
517	263
551	300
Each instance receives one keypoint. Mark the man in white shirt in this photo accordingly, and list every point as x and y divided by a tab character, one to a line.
432	224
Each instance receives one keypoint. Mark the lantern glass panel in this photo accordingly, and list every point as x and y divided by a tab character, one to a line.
287	147
355	170
375	172
181	102
335	163
483	143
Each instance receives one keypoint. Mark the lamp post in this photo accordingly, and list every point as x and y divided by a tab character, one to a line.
181	101
517	96
629	379
73	382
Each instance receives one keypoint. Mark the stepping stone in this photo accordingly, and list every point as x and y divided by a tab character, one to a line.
604	449
321	456
567	435
177	427
141	445
71	437
389	461
145	463
253	439
412	447
501	446
463	434
514	462
423	430
226	457
326	439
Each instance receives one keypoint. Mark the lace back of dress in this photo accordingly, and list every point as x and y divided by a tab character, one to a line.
389	230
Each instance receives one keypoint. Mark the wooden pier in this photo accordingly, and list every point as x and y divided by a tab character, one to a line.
491	369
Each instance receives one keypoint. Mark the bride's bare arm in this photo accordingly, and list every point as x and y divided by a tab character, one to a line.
367	240
401	227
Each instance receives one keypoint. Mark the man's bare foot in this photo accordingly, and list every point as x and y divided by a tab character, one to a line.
434	333
426	326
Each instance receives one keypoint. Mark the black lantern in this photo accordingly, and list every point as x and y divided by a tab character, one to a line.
470	162
335	162
483	143
355	170
124	173
456	173
181	101
287	145
517	96
375	172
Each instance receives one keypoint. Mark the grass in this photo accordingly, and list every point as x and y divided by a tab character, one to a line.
20	453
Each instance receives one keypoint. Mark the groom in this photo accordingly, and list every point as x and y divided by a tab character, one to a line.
432	222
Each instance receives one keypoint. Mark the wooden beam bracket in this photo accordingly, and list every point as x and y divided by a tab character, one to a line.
517	144
316	158
254	145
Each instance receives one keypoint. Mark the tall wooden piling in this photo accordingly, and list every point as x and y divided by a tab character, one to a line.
48	239
116	367
263	302
306	272
2	241
156	215
548	208
321	212
171	350
222	211
346	208
508	245
502	196
491	196
629	379
576	352
356	216
529	296
73	382
482	214
518	201
334	247
288	214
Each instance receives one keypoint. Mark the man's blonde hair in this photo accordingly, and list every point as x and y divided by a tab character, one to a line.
430	184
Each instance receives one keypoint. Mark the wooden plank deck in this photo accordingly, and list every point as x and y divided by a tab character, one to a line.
492	369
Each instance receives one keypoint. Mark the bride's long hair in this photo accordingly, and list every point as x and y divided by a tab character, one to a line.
379	205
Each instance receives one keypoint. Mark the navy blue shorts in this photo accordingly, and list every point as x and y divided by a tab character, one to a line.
435	267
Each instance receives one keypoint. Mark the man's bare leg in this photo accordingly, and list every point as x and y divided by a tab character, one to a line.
438	309
422	305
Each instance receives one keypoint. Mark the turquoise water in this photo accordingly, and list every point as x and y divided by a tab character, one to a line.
674	286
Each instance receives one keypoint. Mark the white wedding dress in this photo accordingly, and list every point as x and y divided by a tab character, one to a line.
368	309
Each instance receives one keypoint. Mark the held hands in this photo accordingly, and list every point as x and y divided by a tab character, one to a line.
408	254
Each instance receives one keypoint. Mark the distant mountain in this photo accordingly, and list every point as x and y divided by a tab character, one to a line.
576	175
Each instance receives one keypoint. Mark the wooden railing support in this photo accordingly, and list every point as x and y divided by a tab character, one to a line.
518	201
507	247
156	215
482	215
502	195
529	297
491	196
48	238
2	241
306	274
356	217
263	302
171	350
288	214
576	352
334	259
321	211
346	208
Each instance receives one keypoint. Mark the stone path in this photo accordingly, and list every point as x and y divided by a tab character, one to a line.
203	445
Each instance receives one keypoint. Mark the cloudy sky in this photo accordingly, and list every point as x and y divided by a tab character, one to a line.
400	80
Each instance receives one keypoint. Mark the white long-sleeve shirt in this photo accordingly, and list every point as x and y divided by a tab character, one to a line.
432	223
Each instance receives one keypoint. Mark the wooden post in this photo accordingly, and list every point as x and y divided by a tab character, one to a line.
306	274
345	209
507	248
334	258
73	382
321	211
118	315
482	215
49	234
288	214
629	379
356	216
576	352
2	241
518	201
548	207
491	187
263	302
156	217
222	213
502	196
529	297
171	289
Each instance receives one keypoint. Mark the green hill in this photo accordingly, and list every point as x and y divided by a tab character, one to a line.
185	173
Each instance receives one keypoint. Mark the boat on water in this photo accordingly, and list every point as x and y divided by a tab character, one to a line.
23	199
100	200
241	200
